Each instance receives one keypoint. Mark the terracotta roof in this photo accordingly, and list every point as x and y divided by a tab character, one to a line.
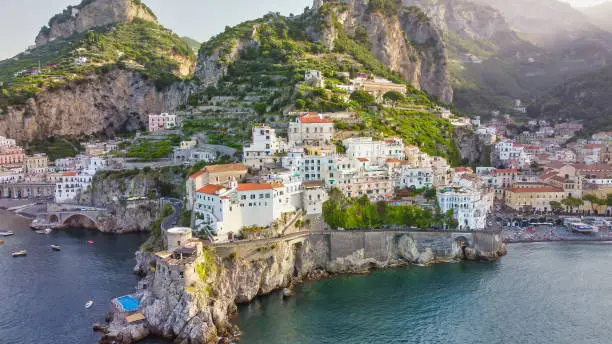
506	170
313	184
69	174
239	167
362	159
312	117
541	189
254	187
277	185
591	146
463	169
196	175
393	160
210	189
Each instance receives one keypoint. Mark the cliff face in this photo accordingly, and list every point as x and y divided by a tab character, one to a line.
97	105
90	14
406	41
196	307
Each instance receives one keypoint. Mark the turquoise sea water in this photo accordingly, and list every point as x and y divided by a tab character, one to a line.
539	293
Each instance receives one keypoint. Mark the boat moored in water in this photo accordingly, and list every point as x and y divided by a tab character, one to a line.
88	304
56	248
20	253
6	233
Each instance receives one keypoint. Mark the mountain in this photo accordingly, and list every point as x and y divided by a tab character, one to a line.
192	43
255	72
99	68
585	98
599	15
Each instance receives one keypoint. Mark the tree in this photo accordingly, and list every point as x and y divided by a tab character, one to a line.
260	108
572	202
363	98
393	97
556	206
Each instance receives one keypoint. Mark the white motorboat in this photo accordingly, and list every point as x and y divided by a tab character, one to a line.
6	233
20	253
40	232
88	304
56	248
48	231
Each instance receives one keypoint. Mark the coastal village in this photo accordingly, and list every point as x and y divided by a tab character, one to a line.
267	157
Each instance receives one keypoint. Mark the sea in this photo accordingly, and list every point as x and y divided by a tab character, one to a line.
549	293
43	295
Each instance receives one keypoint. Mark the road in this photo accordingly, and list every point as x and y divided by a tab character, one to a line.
172	220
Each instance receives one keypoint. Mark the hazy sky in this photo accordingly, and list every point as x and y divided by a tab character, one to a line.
20	20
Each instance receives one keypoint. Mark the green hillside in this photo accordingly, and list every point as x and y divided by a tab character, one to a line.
192	43
139	45
276	52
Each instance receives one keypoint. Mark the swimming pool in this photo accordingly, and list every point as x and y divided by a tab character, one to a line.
128	303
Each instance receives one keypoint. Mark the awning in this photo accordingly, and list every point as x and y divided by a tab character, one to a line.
134	317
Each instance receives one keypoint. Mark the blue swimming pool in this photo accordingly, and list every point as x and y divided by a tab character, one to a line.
128	303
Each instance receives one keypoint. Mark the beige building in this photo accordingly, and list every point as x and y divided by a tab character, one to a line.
215	175
311	129
533	196
37	163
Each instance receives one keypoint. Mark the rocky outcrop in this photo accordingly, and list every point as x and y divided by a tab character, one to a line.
99	105
405	41
129	218
90	14
196	307
212	66
472	149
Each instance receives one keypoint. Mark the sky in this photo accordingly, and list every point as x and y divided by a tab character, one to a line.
20	20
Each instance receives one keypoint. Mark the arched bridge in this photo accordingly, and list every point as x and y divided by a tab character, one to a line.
88	217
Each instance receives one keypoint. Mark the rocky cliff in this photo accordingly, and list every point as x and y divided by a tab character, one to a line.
404	39
91	14
196	307
99	104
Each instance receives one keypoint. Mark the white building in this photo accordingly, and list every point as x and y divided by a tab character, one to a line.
263	148
71	185
6	142
162	121
366	147
314	78
228	209
193	155
469	206
406	176
311	129
511	154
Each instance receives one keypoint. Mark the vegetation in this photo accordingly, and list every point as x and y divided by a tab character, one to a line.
572	202
342	212
150	150
208	265
55	148
139	45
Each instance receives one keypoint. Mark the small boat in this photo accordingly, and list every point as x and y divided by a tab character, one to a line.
6	233
56	248
48	230
88	304
20	253
40	232
91	242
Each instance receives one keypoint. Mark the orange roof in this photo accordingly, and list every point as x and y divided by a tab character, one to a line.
541	189
69	174
313	184
313	117
276	185
393	160
592	146
254	187
210	189
239	167
463	169
196	175
506	170
362	159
